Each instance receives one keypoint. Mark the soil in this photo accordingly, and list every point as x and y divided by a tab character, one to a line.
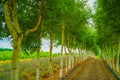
91	69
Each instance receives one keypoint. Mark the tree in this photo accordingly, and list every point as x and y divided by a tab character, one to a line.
16	31
105	20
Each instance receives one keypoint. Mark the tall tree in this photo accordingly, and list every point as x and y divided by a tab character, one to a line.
105	20
16	31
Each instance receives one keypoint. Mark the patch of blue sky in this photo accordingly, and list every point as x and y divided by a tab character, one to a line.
4	43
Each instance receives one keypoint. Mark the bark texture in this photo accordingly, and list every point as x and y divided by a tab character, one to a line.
61	55
51	56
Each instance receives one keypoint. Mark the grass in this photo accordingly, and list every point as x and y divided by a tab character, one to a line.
7	55
27	69
27	65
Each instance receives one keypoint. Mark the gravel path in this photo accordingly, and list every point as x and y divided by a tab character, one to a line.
91	69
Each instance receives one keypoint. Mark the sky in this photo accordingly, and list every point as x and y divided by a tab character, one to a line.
4	43
90	3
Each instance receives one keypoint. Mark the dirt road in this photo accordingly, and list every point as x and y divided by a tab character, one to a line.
91	69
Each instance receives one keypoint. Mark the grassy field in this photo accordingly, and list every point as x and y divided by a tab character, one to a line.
6	54
27	69
27	65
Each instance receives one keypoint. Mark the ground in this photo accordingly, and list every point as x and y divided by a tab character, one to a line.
91	69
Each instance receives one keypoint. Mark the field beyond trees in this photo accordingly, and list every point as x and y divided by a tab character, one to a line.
6	54
28	69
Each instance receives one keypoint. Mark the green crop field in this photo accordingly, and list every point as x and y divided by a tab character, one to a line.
6	54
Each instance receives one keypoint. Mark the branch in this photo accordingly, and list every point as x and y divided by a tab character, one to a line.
36	27
3	1
8	20
39	19
14	16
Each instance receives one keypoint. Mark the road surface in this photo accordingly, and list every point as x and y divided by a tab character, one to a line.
91	69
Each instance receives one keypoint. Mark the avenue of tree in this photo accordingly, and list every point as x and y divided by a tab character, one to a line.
65	23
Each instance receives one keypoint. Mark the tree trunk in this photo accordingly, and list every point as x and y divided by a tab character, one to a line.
61	55
118	55
17	39
38	65
79	52
118	62
69	65
105	51
51	57
73	60
79	55
102	52
72	56
16	33
15	60
66	64
82	52
72	50
113	65
14	71
38	59
69	53
66	60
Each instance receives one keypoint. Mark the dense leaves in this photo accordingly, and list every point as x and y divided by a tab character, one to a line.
107	24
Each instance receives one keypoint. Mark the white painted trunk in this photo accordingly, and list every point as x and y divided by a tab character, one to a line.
66	59
15	66
61	55
38	65
14	73
38	57
37	74
61	63
61	67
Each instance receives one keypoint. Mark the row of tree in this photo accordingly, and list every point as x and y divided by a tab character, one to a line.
107	24
64	23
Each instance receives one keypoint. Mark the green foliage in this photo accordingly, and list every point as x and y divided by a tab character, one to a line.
107	24
106	20
5	49
27	13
